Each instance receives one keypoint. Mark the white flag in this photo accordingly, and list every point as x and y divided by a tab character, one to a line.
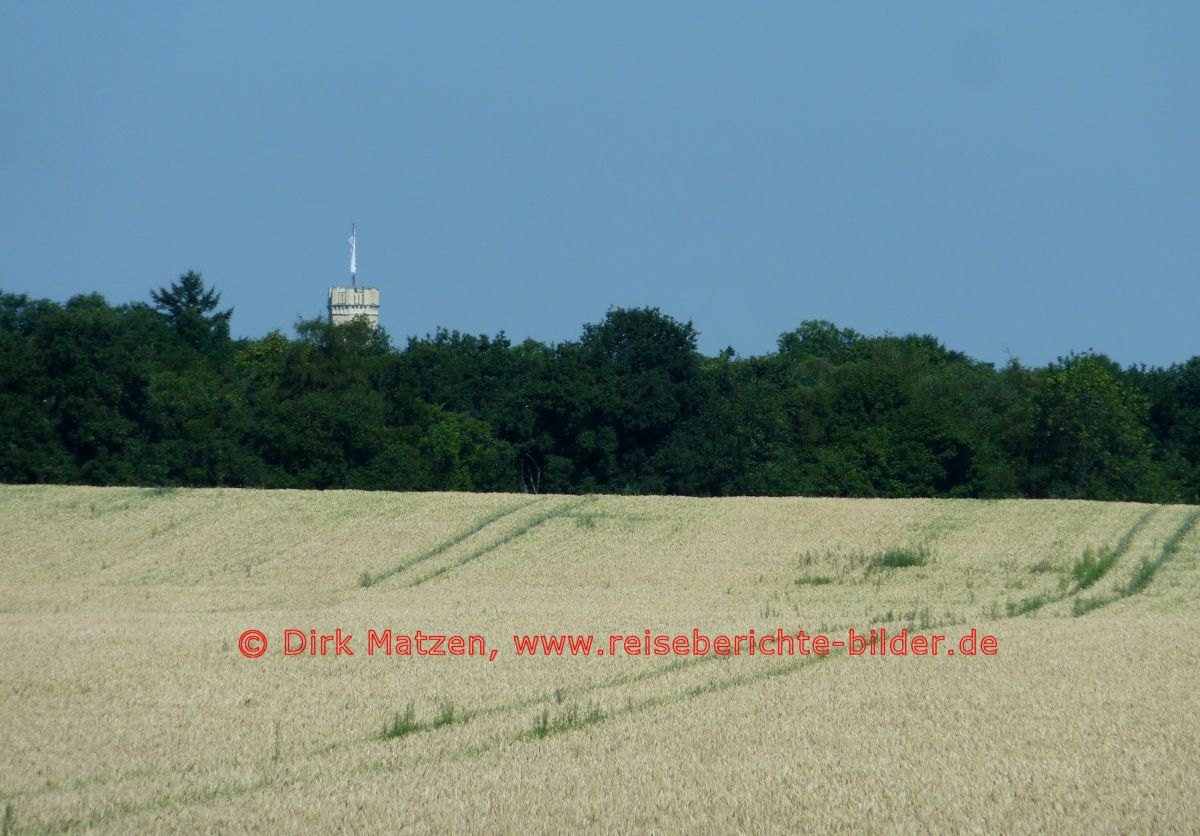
353	269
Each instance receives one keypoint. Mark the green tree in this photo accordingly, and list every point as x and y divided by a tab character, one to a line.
629	382
820	338
1092	426
192	311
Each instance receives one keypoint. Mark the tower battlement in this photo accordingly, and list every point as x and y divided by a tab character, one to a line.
346	303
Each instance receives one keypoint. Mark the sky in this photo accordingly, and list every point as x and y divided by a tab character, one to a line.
1017	179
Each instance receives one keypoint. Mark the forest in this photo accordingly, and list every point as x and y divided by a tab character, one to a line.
158	393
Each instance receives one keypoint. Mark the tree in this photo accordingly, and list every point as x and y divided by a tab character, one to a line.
1093	439
192	311
820	338
633	379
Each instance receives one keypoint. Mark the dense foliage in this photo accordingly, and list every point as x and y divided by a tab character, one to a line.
161	395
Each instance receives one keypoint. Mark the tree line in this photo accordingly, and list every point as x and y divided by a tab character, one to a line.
159	393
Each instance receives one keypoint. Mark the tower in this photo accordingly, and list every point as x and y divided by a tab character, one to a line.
347	303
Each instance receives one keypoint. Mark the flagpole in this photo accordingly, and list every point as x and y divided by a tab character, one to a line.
353	266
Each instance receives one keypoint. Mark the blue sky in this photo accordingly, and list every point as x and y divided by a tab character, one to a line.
1017	179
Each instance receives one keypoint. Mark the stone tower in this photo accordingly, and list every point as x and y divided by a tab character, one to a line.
347	303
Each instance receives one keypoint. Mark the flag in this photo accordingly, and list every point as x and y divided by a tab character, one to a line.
353	270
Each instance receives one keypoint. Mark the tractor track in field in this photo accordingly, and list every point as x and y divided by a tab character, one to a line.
371	578
563	510
1146	571
273	778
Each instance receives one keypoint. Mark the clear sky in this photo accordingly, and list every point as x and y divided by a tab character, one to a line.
1017	179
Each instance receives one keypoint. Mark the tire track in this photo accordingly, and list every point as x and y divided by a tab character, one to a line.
541	519
368	579
1145	572
274	780
1036	602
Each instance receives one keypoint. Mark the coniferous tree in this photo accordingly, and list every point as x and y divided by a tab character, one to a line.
192	310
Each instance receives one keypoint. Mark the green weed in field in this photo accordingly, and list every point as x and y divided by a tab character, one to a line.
402	725
898	558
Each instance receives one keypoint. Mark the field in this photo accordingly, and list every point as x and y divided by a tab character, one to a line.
126	706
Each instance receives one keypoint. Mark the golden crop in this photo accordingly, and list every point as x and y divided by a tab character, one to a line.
125	705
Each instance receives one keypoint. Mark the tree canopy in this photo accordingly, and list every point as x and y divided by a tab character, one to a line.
192	311
160	394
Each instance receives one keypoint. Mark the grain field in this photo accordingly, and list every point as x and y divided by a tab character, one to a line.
126	705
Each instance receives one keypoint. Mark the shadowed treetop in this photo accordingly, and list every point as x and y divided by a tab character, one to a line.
191	308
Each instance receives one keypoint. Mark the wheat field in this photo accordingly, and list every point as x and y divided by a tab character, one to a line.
126	705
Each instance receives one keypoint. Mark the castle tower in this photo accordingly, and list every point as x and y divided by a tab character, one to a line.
347	303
